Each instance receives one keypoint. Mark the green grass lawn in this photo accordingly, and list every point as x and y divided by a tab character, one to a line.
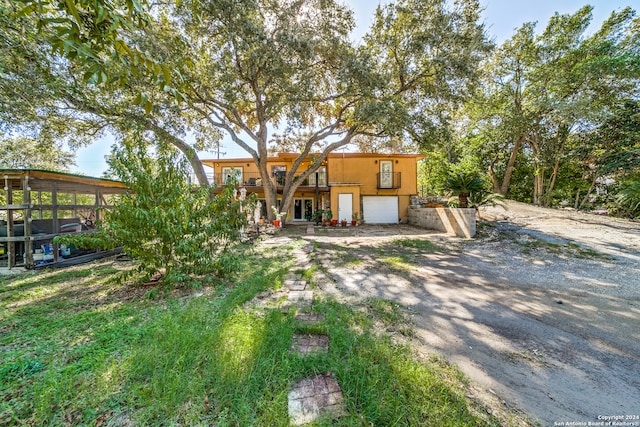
79	348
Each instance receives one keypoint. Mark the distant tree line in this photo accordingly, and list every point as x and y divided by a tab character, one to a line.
556	118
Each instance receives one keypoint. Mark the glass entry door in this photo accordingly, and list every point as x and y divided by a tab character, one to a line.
302	209
386	174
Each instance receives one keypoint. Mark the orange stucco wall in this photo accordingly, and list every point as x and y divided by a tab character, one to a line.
363	169
347	173
354	190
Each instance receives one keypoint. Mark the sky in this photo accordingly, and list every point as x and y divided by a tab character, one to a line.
501	18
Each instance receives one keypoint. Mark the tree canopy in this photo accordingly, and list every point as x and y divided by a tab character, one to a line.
27	153
246	68
555	109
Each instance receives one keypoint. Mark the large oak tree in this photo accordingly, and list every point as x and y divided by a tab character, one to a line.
248	68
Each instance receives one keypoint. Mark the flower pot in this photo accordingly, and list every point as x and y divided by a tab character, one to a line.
334	222
343	222
354	222
276	223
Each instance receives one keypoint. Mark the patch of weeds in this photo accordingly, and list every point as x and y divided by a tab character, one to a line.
342	256
402	263
587	253
530	245
19	369
389	312
354	262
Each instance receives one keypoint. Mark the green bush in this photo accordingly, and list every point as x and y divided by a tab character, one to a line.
171	227
628	199
462	184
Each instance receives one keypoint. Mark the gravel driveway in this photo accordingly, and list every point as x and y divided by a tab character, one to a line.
541	310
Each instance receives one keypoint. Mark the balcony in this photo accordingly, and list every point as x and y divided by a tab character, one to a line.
389	180
253	180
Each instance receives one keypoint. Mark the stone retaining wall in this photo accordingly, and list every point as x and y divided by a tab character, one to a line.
461	222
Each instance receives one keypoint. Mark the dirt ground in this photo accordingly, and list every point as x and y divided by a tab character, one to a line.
541	310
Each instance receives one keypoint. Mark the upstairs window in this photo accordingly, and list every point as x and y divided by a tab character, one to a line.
232	174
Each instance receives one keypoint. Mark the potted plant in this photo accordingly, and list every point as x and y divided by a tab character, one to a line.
354	219
278	215
318	216
343	222
333	222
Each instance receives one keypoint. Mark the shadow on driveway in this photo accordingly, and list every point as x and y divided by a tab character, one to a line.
553	336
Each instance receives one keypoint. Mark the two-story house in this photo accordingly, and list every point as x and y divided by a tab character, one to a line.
376	187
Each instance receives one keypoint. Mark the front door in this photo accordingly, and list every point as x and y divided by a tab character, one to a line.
345	206
302	209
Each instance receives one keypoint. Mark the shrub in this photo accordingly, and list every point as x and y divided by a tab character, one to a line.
170	226
462	184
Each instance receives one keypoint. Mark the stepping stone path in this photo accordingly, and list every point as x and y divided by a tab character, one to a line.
311	398
318	396
309	344
309	318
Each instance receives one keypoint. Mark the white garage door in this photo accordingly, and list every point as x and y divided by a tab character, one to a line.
380	209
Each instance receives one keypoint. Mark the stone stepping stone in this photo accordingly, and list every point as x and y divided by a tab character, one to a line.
300	297
310	344
311	230
315	397
276	241
295	285
309	318
292	276
302	265
308	249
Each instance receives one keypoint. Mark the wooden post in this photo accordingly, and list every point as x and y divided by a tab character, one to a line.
28	243
54	216
11	246
99	197
97	211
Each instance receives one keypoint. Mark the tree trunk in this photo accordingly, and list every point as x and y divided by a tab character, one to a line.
194	161
576	204
593	185
564	134
185	148
552	182
538	178
270	188
502	187
463	200
495	183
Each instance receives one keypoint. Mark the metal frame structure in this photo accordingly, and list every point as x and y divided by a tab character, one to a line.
32	183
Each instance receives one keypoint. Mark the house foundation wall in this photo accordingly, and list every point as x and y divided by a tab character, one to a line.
456	221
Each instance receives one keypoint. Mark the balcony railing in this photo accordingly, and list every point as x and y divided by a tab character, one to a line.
253	179
389	180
